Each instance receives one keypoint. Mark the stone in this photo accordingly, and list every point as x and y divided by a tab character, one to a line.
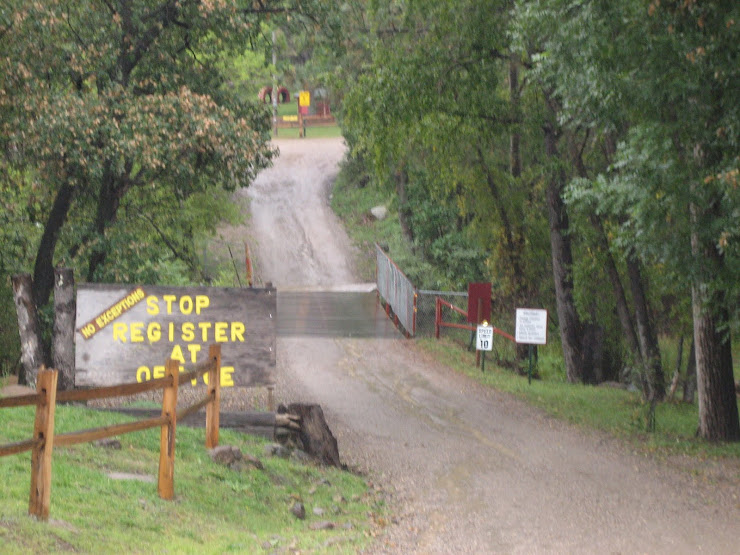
322	525
318	511
298	510
225	454
379	212
108	443
277	450
315	436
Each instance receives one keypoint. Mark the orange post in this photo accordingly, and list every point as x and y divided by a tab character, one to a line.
214	391
166	485
43	433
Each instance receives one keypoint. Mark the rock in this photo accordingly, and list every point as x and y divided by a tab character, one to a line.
322	525
298	510
277	450
108	443
225	454
318	511
245	463
379	212
300	456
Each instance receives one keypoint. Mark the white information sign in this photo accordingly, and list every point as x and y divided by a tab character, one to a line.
484	338
531	326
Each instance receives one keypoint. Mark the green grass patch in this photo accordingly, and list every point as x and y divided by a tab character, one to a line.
216	509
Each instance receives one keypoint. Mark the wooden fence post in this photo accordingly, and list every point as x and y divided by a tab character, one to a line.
43	433
214	390
166	485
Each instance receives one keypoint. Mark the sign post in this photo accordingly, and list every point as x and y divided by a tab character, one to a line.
531	329
484	341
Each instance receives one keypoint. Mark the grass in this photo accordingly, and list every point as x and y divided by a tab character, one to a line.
216	509
618	412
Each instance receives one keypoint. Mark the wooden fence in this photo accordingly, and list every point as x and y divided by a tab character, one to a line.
44	439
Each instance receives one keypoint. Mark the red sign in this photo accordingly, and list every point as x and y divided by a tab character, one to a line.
479	295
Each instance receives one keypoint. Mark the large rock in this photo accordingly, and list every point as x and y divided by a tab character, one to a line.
379	212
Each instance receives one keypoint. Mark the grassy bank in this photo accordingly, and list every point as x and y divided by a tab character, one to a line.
216	510
618	412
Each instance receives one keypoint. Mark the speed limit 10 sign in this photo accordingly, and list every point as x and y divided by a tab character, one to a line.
484	338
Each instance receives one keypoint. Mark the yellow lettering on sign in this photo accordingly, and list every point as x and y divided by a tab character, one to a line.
119	332
220	332
169	299
188	331
194	350
153	332
143	374
137	332
204	327
177	354
158	372
237	331
226	378
152	305
201	302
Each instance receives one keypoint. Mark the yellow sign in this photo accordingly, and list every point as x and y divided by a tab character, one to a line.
304	99
290	118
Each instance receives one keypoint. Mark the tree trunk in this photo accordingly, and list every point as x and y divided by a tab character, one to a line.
402	179
718	415
63	346
649	350
689	385
111	192
623	311
562	262
43	272
677	371
32	350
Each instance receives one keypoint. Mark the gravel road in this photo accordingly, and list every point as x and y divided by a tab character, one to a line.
467	470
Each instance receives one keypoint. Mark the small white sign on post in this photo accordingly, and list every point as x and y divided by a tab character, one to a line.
531	326
484	338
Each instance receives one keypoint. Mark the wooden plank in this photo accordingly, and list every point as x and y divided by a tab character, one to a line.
94	434
18	447
166	482
194	408
43	434
112	391
178	323
19	400
214	390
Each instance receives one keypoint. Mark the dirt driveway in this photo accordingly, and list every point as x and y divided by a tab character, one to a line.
468	470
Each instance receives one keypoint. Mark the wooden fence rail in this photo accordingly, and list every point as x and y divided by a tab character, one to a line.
44	439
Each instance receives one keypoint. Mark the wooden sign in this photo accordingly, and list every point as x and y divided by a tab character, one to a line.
125	333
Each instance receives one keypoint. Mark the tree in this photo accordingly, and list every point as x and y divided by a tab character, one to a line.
117	116
671	80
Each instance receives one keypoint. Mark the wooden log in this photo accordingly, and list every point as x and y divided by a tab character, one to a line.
32	352
214	390
315	436
19	400
63	338
166	483
85	436
43	434
113	390
18	447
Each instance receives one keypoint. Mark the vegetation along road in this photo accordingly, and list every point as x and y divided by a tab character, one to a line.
467	469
